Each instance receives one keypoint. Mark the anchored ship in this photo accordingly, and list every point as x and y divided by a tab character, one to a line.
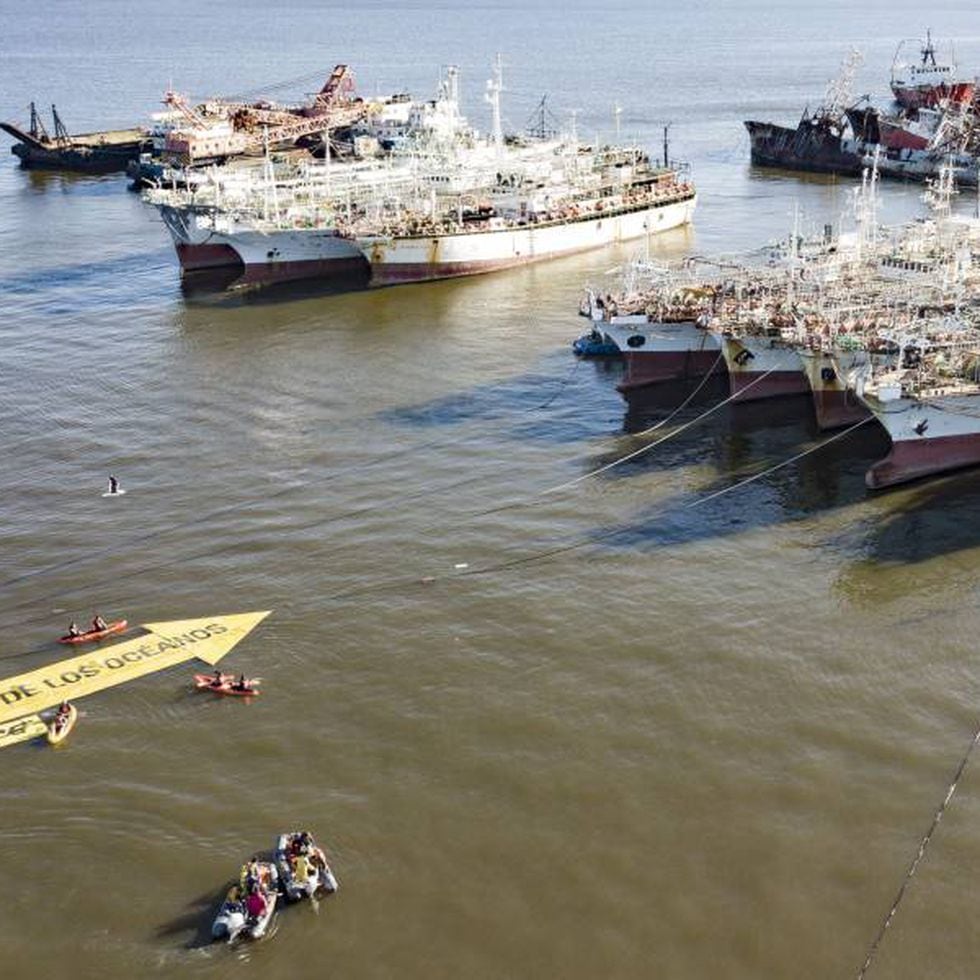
930	407
927	82
842	135
519	224
278	220
579	197
766	365
660	323
830	373
445	203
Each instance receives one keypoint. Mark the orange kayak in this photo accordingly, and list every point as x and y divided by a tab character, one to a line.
90	635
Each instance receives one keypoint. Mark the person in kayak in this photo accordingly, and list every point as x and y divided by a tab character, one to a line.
242	684
218	680
62	715
73	629
99	624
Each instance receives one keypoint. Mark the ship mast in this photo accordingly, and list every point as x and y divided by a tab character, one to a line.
495	86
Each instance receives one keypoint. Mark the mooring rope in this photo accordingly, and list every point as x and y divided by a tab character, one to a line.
636	452
779	466
660	425
578	543
918	856
303	480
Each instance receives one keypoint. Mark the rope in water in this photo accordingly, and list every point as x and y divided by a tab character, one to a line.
636	452
779	466
670	435
577	544
918	857
296	484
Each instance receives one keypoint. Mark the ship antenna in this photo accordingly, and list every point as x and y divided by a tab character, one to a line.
617	112
494	87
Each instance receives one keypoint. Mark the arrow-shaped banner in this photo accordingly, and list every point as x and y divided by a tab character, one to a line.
167	644
21	730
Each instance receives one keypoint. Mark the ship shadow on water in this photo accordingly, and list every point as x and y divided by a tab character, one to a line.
926	520
739	442
541	406
50	181
224	287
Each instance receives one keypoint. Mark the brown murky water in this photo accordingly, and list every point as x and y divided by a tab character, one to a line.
700	740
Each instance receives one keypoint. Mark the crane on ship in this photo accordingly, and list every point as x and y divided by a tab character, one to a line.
223	128
838	97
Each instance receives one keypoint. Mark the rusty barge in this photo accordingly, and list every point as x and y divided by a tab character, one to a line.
101	152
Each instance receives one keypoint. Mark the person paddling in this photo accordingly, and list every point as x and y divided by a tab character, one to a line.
61	718
99	624
113	484
73	629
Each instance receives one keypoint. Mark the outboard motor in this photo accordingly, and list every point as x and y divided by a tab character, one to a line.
229	922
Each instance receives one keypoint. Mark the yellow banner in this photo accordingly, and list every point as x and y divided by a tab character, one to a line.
167	644
21	730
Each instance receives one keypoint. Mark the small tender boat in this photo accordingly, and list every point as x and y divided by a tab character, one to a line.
227	685
62	724
90	635
595	344
302	866
241	914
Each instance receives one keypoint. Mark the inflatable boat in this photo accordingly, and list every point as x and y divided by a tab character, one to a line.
302	866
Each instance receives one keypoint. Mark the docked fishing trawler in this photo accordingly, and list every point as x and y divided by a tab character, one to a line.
660	322
936	128
274	223
619	197
930	407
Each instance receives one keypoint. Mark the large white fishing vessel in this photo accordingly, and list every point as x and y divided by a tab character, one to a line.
660	324
523	230
580	197
764	365
828	373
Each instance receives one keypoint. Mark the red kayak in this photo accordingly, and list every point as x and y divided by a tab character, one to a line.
89	635
226	686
